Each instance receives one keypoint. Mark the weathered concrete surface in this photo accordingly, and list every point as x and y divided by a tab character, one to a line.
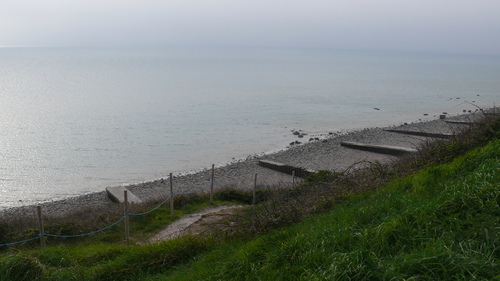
384	149
421	133
116	194
287	169
462	122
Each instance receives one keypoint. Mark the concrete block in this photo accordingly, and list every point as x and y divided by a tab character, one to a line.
116	194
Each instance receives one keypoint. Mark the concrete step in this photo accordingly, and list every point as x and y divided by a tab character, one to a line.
116	194
384	149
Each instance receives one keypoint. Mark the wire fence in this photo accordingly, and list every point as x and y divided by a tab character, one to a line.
125	216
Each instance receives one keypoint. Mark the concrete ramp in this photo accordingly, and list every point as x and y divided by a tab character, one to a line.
116	194
384	149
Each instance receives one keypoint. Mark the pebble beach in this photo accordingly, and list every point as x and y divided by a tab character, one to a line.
322	154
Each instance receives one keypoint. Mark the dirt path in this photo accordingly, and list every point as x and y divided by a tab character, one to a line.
181	226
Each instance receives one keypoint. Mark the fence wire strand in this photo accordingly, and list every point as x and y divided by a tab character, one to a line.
22	241
85	234
154	209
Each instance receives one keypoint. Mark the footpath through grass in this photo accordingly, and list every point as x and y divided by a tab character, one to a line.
442	223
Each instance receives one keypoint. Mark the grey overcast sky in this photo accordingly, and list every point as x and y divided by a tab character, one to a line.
450	26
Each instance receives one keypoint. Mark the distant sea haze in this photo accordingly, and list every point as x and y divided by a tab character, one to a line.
75	121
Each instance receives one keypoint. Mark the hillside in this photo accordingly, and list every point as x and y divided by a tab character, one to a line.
434	217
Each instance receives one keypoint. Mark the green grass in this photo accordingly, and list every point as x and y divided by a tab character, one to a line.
440	223
97	262
141	227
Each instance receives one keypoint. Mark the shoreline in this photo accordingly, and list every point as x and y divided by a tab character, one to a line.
323	154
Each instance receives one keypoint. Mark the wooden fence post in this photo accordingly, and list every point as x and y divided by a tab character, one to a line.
293	179
254	188
40	226
212	185
171	196
125	210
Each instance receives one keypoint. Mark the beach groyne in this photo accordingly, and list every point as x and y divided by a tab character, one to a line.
327	154
287	169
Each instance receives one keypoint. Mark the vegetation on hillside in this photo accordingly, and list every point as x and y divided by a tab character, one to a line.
442	223
430	216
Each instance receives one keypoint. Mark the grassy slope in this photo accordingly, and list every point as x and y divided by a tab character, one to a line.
442	223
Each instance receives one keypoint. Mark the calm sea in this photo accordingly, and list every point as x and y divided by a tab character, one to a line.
75	121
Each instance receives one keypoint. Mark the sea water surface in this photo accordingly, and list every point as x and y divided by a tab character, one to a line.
75	121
